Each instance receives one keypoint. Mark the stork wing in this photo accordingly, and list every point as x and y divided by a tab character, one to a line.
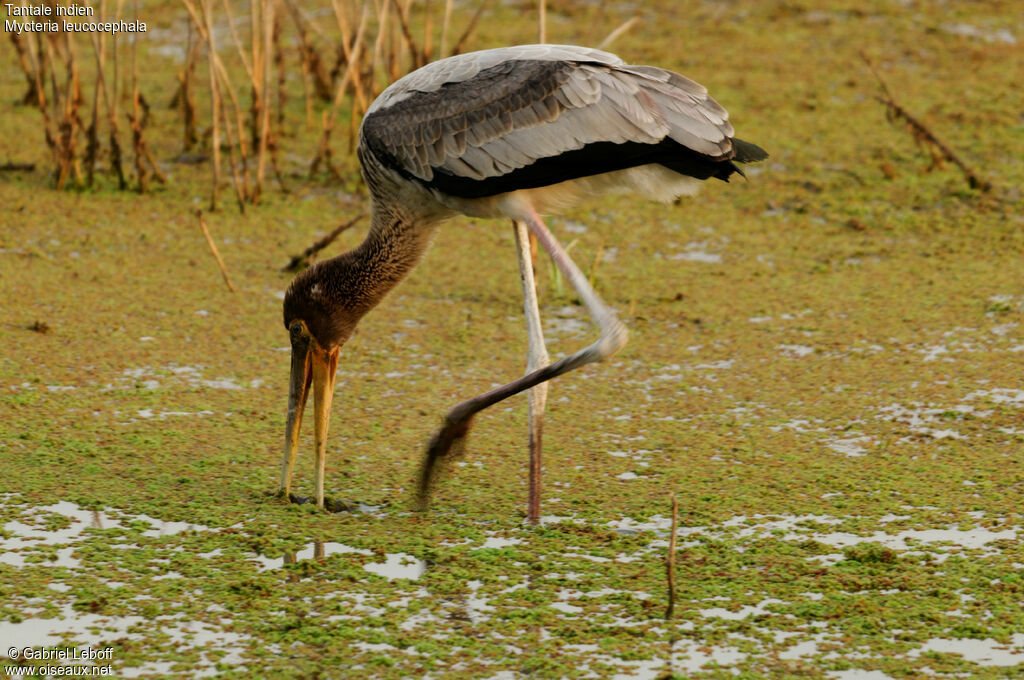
496	120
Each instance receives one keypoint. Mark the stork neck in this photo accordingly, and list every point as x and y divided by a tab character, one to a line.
392	248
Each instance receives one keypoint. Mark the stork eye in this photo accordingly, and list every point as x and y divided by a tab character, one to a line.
297	330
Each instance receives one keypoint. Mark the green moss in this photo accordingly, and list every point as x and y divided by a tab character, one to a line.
796	389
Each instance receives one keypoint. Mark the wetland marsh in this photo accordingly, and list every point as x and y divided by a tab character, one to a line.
825	368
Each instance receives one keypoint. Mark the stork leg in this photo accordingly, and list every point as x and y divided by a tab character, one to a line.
452	434
324	372
537	358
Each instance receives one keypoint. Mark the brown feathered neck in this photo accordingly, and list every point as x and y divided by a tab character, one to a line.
333	295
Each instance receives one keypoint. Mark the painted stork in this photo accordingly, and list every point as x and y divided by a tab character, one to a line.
514	132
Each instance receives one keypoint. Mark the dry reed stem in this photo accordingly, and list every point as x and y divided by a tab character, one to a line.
33	52
342	56
241	178
323	154
352	72
323	151
378	45
238	182
542	21
448	4
461	42
60	138
213	249
264	130
39	58
416	56
60	99
142	155
246	64
304	259
594	20
138	117
307	88
394	60
614	35
215	102
219	76
253	69
188	101
255	41
922	134
72	124
92	135
671	560
115	142
352	54
23	61
428	32
597	261
353	128
310	55
282	76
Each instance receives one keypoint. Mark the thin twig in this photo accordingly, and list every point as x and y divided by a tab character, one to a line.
428	33
24	61
183	96
282	77
597	261
219	75
672	559
213	249
300	262
414	50
444	27
352	51
264	123
309	53
215	102
92	135
595	20
921	133
240	186
135	117
461	42
323	154
626	25
378	45
246	63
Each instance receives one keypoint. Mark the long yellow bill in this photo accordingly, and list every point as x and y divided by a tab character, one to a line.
310	364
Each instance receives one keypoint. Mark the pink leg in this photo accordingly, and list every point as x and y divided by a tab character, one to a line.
451	437
537	358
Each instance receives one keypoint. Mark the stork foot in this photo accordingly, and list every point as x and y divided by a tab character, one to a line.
330	504
290	497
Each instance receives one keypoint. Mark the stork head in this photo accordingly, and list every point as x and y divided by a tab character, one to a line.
320	312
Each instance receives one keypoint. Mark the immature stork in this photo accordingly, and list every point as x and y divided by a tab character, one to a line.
514	132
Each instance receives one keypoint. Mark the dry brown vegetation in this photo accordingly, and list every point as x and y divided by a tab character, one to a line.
345	60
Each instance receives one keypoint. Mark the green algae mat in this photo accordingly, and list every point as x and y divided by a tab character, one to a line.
825	370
